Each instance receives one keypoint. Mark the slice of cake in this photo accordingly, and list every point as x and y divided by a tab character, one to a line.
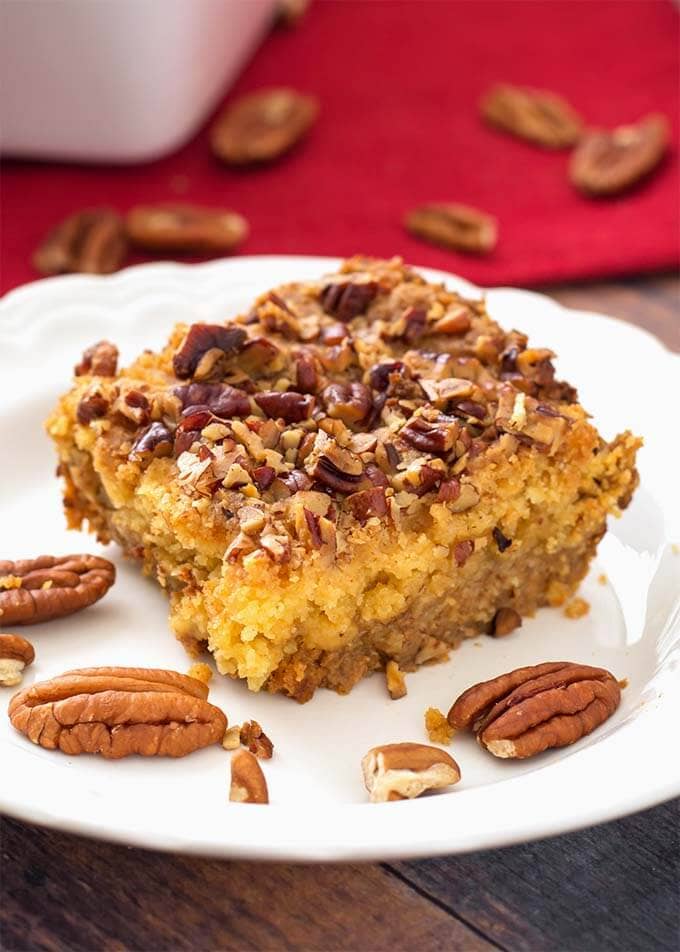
361	469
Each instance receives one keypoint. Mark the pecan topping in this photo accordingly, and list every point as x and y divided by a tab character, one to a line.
91	407
334	334
100	360
16	653
454	322
254	738
247	780
401	771
306	374
335	467
606	163
119	711
462	551
156	440
290	406
221	399
449	490
185	228
258	353
263	476
349	402
346	298
532	709
395	681
505	621
201	339
531	421
540	117
262	126
367	503
52	587
91	242
384	376
454	226
502	541
431	436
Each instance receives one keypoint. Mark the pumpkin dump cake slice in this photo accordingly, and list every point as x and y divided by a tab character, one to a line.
360	469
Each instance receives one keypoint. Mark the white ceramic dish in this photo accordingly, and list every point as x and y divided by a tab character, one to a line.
319	809
118	80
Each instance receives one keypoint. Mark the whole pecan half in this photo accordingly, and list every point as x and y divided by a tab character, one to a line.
36	590
262	126
403	771
99	360
349	402
454	226
532	709
91	242
224	339
289	406
347	297
185	228
221	399
155	441
431	436
535	115
119	711
606	163
16	653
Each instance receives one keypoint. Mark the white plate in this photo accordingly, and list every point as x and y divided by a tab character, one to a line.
319	809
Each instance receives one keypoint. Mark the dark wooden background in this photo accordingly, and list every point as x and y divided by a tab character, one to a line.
613	887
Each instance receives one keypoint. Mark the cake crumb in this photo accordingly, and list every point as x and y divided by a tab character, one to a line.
232	737
201	672
577	608
623	683
438	728
395	680
602	578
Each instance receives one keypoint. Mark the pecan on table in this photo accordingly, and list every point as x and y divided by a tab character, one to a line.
262	126
118	711
532	709
185	228
16	653
37	590
606	163
454	226
91	242
403	771
535	115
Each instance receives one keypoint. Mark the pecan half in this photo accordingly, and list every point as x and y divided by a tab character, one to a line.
262	126
367	503
90	242
254	738
459	227
155	441
606	163
221	399
401	771
16	653
347	297
52	587
201	339
119	711
247	780
93	406
535	115
349	402
532	709
185	228
290	406
99	360
431	436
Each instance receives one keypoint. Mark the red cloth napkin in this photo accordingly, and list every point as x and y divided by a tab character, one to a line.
399	84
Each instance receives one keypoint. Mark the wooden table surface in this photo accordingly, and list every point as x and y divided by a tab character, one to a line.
610	887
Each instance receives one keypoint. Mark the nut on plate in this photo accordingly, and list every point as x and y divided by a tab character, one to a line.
395	680
37	590
404	771
118	711
254	738
532	709
15	654
247	780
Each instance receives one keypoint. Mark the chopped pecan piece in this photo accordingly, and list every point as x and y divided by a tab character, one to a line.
90	242
401	771
349	402
156	440
502	541
334	334
255	739
185	228
395	681
263	476
453	322
93	406
367	503
454	226
289	406
262	126
505	621
335	467
538	116
16	653
52	587
532	709
258	354
462	551
529	420
201	339
436	436
346	298
247	780
118	711
306	373
606	163
100	360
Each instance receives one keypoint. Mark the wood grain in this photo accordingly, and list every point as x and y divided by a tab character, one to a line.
614	887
